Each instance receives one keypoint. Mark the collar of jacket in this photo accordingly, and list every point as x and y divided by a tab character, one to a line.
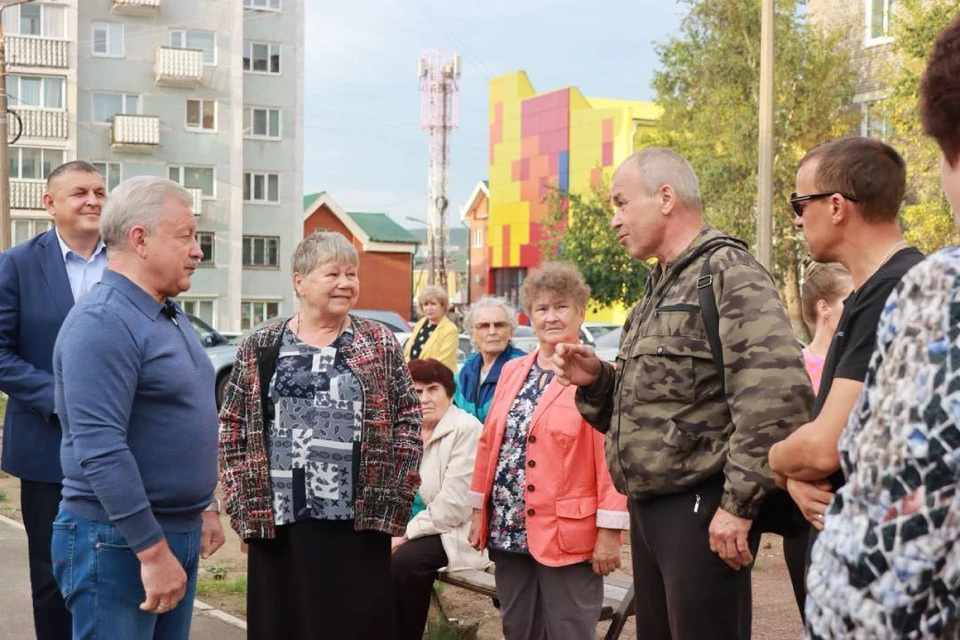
663	276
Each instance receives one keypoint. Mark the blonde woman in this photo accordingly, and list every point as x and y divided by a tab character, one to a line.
434	336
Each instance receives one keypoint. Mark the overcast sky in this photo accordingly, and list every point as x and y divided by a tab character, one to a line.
363	142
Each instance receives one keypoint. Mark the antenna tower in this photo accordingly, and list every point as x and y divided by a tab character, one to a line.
439	116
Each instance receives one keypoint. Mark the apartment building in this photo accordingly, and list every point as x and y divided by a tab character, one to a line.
869	27
206	92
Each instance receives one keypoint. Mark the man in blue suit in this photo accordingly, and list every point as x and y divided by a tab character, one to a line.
40	280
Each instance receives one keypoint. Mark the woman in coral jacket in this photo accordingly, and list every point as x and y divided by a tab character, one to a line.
543	501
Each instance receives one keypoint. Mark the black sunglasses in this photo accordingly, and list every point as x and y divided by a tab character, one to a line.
796	201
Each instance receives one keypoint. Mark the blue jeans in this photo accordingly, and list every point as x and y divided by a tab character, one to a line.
99	577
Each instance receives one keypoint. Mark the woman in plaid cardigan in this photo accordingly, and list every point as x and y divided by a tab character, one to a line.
319	456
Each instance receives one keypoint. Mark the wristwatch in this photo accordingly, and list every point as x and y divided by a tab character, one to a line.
213	506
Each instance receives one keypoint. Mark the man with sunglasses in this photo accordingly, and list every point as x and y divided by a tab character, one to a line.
847	204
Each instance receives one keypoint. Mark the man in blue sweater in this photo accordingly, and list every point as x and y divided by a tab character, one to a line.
135	396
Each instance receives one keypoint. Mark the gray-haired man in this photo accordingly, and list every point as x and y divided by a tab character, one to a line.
135	396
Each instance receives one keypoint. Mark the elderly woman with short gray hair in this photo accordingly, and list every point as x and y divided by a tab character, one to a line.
434	336
319	455
490	323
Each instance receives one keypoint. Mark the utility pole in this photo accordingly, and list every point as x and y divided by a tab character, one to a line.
6	232
765	167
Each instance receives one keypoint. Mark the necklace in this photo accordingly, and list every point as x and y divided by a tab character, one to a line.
893	249
300	327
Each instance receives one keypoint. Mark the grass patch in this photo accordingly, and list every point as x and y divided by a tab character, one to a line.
213	587
439	628
3	495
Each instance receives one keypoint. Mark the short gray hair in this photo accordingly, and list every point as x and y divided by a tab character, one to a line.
659	166
321	247
137	202
491	302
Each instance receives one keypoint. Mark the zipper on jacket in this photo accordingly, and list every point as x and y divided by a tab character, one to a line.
691	308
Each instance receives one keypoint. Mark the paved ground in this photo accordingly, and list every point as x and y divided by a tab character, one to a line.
16	620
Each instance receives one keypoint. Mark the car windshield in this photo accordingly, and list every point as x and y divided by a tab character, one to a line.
610	339
207	334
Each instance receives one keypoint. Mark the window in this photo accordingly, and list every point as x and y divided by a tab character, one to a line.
261	58
202	308
43	20
36	91
202	115
205	239
880	18
110	172
34	163
254	312
506	283
261	251
261	187
108	39
107	105
478	238
23	230
263	5
195	178
261	123
203	40
872	122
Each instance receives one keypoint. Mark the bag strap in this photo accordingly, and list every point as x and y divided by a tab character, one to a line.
711	317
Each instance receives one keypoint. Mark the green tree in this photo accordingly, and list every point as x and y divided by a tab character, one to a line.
928	221
708	86
578	229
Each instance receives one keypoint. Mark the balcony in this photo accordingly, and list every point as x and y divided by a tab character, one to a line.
197	194
142	8
179	67
27	51
135	134
43	123
26	194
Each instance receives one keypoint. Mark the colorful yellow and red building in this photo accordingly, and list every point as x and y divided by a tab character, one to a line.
537	141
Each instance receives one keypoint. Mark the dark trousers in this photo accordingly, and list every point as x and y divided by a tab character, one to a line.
414	566
40	502
684	590
320	579
795	555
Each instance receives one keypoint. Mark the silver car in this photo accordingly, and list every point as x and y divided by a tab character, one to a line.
221	352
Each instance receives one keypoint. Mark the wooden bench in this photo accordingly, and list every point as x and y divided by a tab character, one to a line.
617	594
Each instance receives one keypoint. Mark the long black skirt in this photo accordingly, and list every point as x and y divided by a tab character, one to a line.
320	579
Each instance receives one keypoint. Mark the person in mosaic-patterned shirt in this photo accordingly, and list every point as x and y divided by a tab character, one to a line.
887	563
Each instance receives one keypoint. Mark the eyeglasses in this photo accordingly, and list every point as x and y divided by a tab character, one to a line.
485	326
796	201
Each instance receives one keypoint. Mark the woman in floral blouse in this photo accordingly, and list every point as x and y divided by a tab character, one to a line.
887	563
319	456
543	501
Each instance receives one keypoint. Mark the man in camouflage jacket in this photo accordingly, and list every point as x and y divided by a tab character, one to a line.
690	450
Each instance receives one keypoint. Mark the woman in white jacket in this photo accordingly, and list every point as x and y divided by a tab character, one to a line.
436	536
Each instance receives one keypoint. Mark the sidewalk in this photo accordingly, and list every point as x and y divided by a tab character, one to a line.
16	618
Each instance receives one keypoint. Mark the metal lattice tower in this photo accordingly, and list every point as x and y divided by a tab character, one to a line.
439	116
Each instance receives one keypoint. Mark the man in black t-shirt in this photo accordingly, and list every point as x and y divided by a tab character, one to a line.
847	204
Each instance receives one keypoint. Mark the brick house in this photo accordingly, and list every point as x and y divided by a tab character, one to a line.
386	251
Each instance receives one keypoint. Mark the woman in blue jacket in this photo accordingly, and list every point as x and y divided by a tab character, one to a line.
490	323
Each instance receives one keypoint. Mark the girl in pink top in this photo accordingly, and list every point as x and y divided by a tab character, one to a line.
825	287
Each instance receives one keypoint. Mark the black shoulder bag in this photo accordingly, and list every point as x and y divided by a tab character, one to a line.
778	514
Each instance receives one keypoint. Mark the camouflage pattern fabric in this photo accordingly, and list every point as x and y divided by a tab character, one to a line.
669	425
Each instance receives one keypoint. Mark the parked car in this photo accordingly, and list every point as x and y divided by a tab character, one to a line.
597	329
219	349
391	319
609	344
525	338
